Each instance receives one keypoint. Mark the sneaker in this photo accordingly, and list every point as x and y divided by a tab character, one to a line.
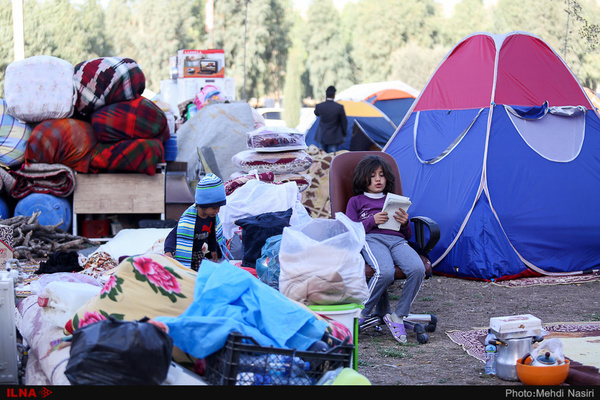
397	328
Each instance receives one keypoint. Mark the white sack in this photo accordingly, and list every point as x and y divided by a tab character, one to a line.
39	88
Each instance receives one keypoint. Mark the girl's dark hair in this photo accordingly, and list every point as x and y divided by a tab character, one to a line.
365	167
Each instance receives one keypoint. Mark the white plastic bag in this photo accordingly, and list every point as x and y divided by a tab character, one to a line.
321	263
256	197
554	346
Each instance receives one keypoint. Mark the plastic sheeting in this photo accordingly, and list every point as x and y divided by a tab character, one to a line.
223	127
228	299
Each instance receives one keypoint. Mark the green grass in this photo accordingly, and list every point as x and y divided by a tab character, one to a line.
395	350
591	317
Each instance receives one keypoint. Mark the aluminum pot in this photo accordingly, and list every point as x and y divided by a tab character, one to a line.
509	351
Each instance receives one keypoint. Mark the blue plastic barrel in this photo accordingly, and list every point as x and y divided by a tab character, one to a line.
53	209
4	210
171	149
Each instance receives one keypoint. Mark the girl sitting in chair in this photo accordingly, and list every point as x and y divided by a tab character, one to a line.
384	248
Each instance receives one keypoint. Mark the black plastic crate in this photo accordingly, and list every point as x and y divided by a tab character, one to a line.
242	361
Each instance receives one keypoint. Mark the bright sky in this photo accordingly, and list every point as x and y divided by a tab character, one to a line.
303	4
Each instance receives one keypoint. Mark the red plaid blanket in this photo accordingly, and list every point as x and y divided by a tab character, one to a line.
133	119
106	80
137	155
66	141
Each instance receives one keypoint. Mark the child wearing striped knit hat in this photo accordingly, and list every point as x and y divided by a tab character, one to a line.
198	225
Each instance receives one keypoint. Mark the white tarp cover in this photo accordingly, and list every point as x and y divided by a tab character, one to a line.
221	126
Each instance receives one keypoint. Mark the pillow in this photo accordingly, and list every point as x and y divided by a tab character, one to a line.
14	135
133	119
106	80
237	181
148	285
66	141
302	180
39	88
275	138
279	162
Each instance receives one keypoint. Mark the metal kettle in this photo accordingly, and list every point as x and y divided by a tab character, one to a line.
543	360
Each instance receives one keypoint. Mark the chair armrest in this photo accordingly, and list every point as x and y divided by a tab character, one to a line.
420	223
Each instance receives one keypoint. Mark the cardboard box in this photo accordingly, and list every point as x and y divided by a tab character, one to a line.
201	63
524	325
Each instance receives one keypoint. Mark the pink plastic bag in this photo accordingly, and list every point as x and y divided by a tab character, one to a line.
208	94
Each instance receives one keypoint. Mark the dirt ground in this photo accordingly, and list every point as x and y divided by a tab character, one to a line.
463	305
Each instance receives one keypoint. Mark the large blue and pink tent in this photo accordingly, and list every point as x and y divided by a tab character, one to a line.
502	149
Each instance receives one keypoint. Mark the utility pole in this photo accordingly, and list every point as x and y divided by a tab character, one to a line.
19	42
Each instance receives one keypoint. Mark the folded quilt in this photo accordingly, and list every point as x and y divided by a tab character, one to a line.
106	80
14	135
54	179
137	155
38	88
234	183
66	141
134	119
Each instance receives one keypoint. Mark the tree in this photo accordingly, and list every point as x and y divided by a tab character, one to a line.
549	20
469	16
7	45
150	32
261	51
328	61
378	29
295	68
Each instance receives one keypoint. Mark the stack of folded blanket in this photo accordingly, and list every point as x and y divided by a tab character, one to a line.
90	117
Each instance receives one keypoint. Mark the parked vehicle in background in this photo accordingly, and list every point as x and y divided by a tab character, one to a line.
272	116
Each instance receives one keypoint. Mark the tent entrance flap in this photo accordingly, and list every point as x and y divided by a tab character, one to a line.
361	141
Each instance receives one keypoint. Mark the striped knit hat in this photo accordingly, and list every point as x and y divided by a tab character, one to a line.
210	192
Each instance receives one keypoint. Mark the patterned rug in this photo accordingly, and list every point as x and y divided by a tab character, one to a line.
548	280
316	197
581	340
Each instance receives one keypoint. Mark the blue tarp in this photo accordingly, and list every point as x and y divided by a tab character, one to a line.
228	299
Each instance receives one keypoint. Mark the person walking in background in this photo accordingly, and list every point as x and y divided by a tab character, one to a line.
333	124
